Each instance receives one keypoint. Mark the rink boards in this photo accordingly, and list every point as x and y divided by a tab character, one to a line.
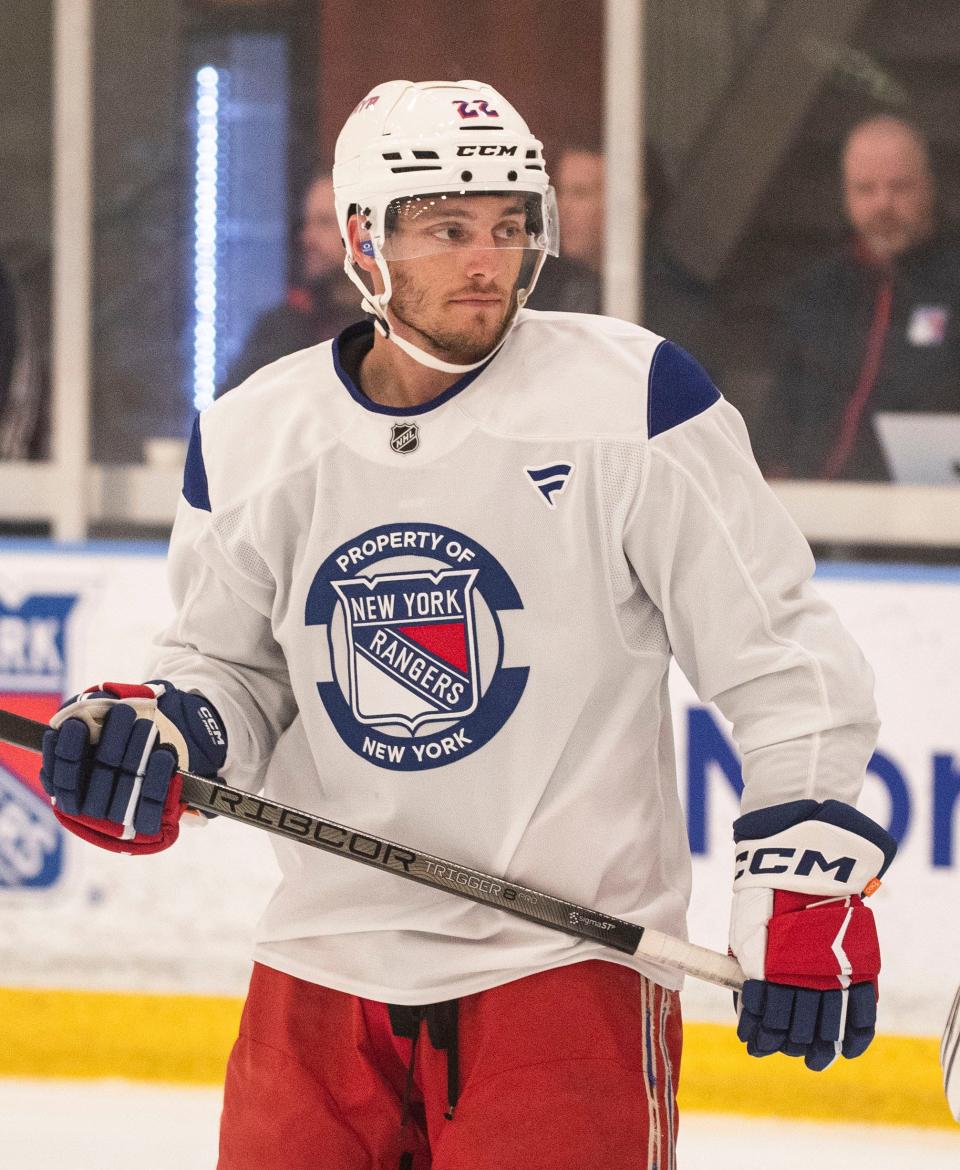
135	967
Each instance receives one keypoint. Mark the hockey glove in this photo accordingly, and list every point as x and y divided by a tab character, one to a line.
110	762
801	932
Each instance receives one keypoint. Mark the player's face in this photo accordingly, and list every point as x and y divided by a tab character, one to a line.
457	289
888	190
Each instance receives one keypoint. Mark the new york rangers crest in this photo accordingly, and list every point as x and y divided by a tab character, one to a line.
416	649
413	646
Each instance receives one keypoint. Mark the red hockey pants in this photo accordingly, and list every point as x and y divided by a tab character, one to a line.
571	1069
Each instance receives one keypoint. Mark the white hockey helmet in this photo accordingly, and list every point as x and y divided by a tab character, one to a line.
410	143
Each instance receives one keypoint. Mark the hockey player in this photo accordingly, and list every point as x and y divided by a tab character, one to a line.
430	578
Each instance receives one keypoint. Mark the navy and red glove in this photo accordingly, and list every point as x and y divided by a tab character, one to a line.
111	756
801	932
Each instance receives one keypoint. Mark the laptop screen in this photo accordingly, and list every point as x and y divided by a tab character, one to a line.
920	447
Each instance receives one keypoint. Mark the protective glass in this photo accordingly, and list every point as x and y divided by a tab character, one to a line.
459	221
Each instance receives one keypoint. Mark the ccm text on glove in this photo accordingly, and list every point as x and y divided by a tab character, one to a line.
799	927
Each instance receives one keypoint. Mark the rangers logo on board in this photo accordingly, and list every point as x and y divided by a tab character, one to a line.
404	437
32	683
416	650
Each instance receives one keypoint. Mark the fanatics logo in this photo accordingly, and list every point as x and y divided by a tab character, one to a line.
404	438
550	480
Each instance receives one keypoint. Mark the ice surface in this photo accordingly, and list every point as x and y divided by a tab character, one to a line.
115	1125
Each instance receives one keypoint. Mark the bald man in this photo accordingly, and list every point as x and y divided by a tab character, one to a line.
874	327
888	188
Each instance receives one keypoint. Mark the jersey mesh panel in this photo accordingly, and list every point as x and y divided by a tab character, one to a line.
232	529
641	623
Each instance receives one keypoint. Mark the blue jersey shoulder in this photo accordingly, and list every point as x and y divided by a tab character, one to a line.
679	388
195	489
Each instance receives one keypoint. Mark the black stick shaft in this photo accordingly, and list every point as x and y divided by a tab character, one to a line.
21	732
436	872
413	864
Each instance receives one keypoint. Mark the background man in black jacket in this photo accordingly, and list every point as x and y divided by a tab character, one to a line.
874	327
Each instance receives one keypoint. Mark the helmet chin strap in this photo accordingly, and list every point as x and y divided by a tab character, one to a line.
376	305
427	359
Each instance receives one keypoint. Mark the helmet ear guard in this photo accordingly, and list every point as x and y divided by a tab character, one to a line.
415	144
359	241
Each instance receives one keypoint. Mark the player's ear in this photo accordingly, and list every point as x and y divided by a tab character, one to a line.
358	242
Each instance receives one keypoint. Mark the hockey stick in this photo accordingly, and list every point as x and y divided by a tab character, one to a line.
437	872
950	1057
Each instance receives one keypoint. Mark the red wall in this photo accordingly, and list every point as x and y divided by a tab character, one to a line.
544	57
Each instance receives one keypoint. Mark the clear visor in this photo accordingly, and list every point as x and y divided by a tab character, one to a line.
462	221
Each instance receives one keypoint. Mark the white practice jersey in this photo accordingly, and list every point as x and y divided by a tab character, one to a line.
451	626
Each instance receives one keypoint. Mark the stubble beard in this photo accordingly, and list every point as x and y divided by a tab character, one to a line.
459	346
889	236
886	238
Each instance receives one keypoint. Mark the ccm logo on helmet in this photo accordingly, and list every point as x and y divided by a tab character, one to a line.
486	148
763	861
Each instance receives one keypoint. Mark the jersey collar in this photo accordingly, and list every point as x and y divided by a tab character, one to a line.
356	340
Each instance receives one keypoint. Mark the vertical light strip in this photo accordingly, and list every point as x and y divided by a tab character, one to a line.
205	231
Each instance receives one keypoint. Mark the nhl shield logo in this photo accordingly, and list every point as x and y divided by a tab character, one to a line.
404	437
412	646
